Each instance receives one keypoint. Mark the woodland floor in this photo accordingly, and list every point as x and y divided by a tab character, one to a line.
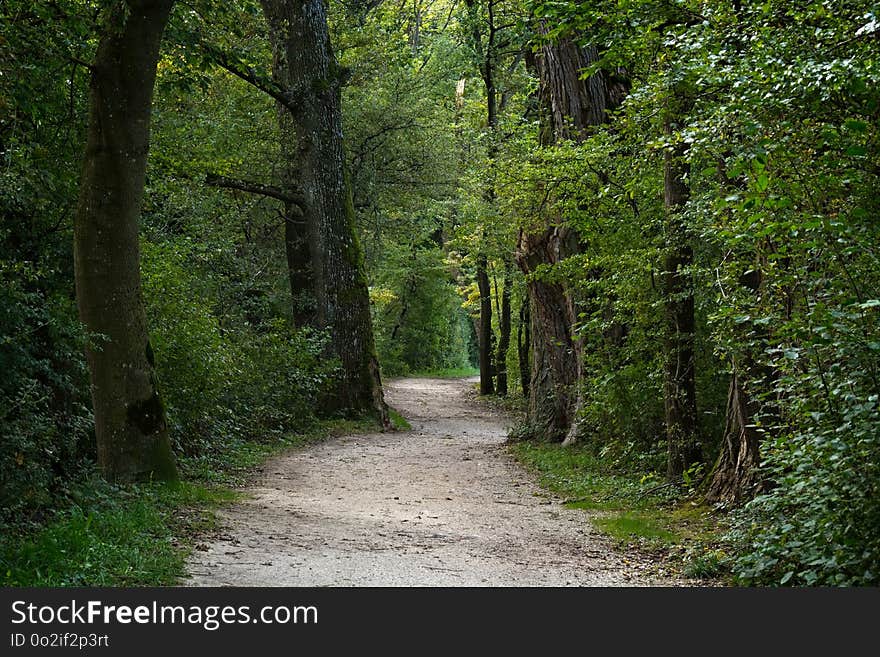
443	504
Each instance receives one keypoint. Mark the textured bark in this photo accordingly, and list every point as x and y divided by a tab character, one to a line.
554	355
680	398
570	107
487	386
523	344
735	476
504	326
302	239
313	149
300	276
132	436
574	105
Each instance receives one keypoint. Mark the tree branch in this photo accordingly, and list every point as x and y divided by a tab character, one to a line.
261	82
294	199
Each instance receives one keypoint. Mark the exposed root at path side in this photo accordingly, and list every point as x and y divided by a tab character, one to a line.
441	505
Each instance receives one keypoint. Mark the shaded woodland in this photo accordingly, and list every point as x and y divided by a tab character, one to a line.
652	226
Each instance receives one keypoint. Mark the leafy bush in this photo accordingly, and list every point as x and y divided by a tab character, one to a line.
229	382
45	420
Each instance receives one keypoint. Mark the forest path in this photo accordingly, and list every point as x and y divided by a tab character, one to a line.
441	505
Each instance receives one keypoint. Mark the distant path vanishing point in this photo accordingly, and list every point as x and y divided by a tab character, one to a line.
441	505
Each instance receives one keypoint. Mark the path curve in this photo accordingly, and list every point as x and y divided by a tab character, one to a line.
441	505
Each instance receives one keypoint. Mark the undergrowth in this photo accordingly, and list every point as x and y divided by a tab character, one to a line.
138	535
635	510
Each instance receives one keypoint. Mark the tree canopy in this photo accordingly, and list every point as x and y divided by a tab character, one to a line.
652	224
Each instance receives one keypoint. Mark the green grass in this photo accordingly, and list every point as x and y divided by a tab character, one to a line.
399	422
578	475
113	536
139	535
633	509
626	526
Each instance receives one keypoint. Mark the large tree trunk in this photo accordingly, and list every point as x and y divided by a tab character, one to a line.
298	250
680	398
570	108
554	355
302	240
132	436
313	79
735	476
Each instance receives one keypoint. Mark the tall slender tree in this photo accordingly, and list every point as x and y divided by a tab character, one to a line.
680	396
130	427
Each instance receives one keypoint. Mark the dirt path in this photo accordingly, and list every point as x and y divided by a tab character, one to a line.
441	505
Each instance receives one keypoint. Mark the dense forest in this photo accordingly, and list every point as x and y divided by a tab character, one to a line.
651	225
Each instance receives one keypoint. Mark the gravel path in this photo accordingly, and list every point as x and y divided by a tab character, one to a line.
441	505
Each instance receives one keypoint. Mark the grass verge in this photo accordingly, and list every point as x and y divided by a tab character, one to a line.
635	511
399	422
139	535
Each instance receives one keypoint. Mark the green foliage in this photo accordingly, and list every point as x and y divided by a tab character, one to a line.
818	525
45	422
109	537
418	318
397	109
783	154
45	419
220	385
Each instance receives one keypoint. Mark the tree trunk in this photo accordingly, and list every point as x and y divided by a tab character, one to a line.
504	324
132	436
680	398
313	80
300	275
570	107
554	354
523	344
735	476
302	241
485	327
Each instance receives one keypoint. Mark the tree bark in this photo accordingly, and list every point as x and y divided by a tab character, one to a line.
735	475
504	326
680	398
130	428
570	107
487	386
313	149
523	344
554	355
